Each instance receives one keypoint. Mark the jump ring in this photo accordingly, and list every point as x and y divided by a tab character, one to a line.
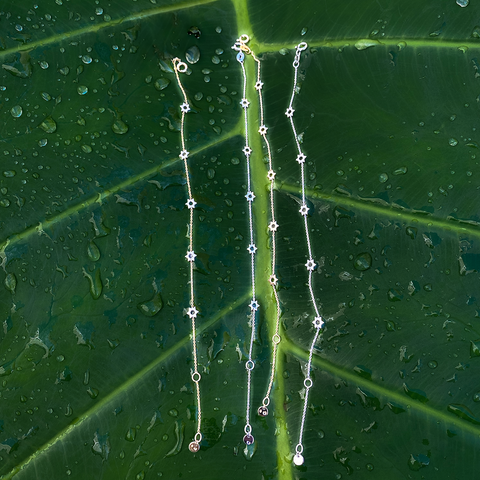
302	46
250	365
296	64
266	402
299	449
198	437
196	377
244	38
248	429
182	67
308	384
276	339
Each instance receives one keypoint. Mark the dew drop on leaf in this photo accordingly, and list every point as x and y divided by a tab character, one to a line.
119	127
162	83
131	434
16	111
152	307
48	125
11	282
93	252
192	55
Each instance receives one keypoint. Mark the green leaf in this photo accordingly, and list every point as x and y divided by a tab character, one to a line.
95	350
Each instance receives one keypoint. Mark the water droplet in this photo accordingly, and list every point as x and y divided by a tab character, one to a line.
363	261
179	434
453	142
401	45
476	31
173	412
46	96
400	171
119	127
82	89
383	177
16	111
9	173
43	64
131	434
411	232
476	397
11	282
462	3
215	60
464	412
162	83
218	29
98	11
93	392
415	394
304	31
93	252
4	202
101	445
95	281
369	467
87	59
192	55
365	43
152	307
64	71
198	96
432	364
87	148
48	125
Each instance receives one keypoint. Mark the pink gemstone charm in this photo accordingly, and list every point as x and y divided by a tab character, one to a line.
194	447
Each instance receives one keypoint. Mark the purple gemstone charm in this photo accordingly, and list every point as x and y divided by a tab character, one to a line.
194	447
263	411
248	439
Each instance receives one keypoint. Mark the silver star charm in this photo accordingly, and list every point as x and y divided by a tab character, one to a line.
318	322
184	154
271	175
244	103
301	157
254	306
272	226
304	210
258	85
190	256
190	203
310	265
185	107
252	248
250	196
289	112
192	312
247	150
262	130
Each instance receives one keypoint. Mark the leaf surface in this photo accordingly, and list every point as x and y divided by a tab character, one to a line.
95	349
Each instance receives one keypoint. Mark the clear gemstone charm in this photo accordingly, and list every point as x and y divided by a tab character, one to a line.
298	459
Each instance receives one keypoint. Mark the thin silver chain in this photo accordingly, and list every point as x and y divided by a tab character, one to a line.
241	48
310	265
191	311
